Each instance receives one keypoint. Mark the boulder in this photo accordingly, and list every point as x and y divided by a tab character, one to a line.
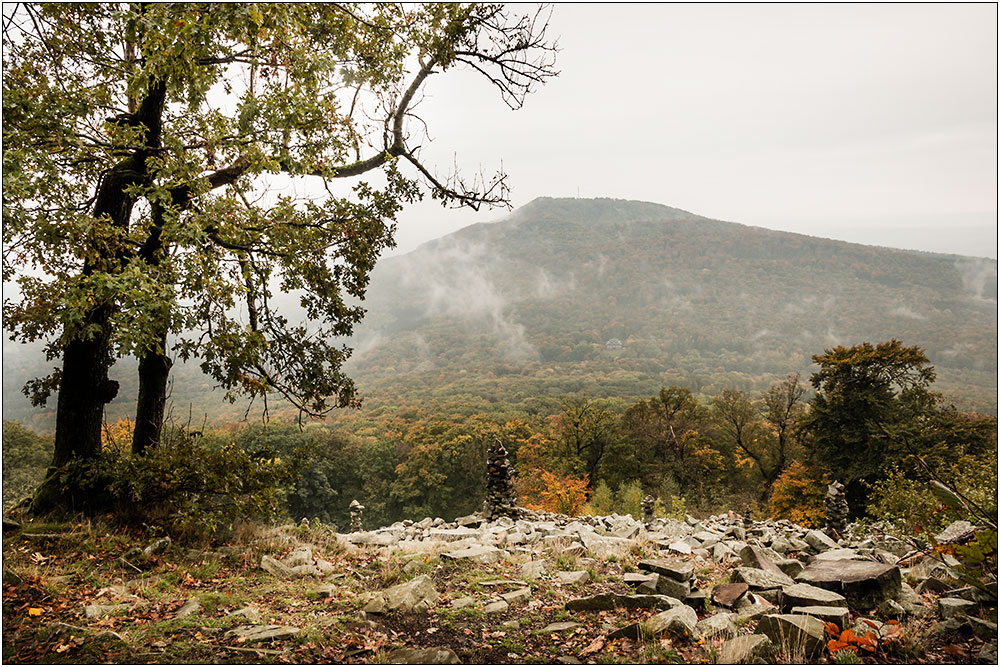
669	586
301	556
727	595
438	655
533	570
679	570
680	623
574	578
864	584
838	615
478	554
747	650
798	632
805	595
954	530
820	541
951	607
277	568
416	595
255	634
790	566
718	625
755	557
758	579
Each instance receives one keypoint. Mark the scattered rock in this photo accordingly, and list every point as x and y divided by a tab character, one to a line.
718	625
747	650
680	623
109	635
520	596
633	631
798	632
156	547
864	584
727	595
758	579
98	610
416	595
301	556
983	629
951	607
326	591
463	603
255	634
988	653
561	626
438	655
838	615
806	595
277	568
497	607
573	578
58	629
820	541
192	606
676	569
478	554
533	570
249	613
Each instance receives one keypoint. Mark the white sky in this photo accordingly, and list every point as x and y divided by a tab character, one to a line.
872	123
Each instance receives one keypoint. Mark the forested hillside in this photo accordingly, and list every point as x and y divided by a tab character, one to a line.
537	305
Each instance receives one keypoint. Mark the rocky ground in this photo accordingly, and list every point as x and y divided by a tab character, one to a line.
542	589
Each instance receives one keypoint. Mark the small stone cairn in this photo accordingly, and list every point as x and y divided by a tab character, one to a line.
747	517
648	503
835	505
500	498
356	509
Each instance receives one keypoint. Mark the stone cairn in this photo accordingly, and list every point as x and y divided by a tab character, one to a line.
747	517
356	510
500	498
648	504
835	504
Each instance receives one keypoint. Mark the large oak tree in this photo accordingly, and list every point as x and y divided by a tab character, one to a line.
142	147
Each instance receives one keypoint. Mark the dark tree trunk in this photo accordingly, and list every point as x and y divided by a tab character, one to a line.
84	387
154	371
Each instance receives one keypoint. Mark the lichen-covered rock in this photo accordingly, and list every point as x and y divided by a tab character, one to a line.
864	584
680	623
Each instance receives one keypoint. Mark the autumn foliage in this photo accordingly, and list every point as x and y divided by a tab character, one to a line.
565	495
798	495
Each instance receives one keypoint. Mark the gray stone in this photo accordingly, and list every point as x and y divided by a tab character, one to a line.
988	653
512	624
604	601
758	579
890	609
497	607
747	650
954	530
301	556
477	554
973	594
790	566
806	595
416	595
277	568
438	655
156	547
574	549
752	612
643	583
533	570
669	586
561	626
820	541
864	584
326	591
192	606
798	632
574	578
58	629
680	623
838	615
109	636
696	600
840	554
679	570
932	585
249	613
727	595
453	534
754	557
719	625
254	634
98	610
633	631
463	603
520	596
470	521
951	607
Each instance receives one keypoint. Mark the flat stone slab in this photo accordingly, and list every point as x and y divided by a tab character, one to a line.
807	595
747	650
680	623
605	601
561	626
754	557
864	584
573	578
262	633
726	595
838	615
478	554
452	534
520	596
679	570
796	631
757	579
497	607
718	625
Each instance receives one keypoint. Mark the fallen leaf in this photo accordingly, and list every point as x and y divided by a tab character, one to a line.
593	647
34	611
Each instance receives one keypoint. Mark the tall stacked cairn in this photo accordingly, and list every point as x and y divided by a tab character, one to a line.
835	504
648	504
356	509
500	498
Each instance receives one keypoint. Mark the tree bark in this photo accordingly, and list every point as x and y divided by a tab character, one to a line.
154	371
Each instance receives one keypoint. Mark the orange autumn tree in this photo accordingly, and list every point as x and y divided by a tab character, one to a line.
538	487
563	495
798	495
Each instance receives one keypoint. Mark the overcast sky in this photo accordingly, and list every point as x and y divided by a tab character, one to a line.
872	123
